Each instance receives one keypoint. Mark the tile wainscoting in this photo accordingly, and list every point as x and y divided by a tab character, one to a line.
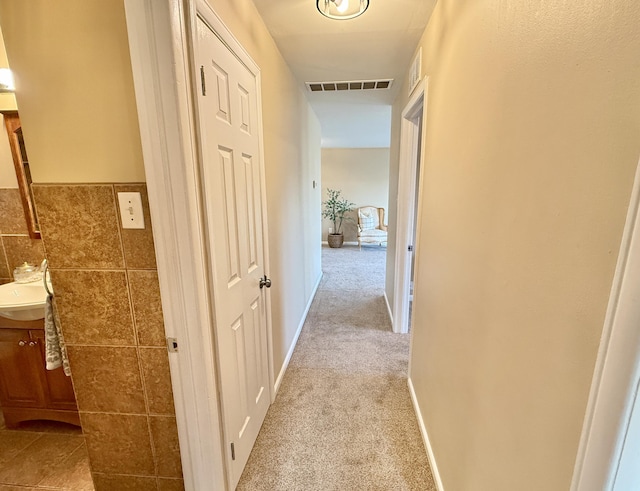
107	292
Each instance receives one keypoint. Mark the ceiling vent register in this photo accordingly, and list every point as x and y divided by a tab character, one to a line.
349	85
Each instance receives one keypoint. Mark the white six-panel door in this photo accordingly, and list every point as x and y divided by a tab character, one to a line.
230	145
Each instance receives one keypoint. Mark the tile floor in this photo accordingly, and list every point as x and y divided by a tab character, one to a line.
43	455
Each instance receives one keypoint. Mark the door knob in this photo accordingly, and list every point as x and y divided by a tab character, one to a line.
264	281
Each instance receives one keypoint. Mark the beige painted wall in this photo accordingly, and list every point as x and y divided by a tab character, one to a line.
78	109
312	203
7	103
75	89
7	169
533	137
362	174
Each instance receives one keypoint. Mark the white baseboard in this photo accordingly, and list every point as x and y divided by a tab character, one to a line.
425	438
386	300
287	359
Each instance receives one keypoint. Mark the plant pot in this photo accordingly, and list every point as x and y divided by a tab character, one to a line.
335	240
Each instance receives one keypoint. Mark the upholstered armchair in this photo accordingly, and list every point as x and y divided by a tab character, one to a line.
371	227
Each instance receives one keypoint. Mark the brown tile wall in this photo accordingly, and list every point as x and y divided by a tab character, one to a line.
107	293
16	246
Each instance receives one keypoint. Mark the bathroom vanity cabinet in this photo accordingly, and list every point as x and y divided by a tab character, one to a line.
27	390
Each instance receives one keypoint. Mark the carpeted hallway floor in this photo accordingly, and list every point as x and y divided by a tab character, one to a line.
343	418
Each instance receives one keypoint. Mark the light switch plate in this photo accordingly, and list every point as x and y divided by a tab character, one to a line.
131	210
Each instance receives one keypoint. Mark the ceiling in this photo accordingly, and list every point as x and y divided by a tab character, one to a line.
377	45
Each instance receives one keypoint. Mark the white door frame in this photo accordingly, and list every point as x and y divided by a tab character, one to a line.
617	367
161	43
411	139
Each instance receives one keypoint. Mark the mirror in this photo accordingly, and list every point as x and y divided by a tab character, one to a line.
23	173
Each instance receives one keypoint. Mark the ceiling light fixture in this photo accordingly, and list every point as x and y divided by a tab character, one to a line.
342	5
342	9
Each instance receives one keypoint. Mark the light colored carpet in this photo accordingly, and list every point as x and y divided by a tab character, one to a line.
343	418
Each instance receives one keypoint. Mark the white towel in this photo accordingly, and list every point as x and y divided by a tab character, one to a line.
55	349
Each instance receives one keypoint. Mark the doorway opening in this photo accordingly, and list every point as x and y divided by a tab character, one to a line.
411	147
361	177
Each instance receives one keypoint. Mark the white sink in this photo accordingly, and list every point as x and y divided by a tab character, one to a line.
22	301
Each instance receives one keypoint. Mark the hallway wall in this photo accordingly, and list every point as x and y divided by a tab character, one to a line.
532	142
392	230
311	204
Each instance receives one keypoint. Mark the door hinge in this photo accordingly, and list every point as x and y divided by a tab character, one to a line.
233	452
172	345
202	81
410	248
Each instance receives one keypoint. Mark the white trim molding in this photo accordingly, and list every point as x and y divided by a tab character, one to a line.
617	367
425	438
161	84
386	301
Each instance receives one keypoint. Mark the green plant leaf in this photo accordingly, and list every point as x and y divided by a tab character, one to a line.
335	208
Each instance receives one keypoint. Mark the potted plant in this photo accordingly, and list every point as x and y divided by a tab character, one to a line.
335	209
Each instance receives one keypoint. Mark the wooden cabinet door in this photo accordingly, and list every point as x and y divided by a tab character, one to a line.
58	389
20	370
